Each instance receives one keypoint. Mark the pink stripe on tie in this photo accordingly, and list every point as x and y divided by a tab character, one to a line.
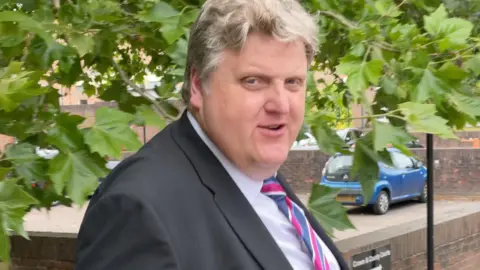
292	217
272	188
319	260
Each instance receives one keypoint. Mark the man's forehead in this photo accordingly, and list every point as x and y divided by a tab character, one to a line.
267	58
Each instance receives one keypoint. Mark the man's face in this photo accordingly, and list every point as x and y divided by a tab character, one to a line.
253	104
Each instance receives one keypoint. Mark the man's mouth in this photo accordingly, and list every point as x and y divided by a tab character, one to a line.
273	127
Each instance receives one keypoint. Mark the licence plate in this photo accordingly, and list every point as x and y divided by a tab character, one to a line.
346	198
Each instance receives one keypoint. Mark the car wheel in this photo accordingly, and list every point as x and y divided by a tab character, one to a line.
382	204
424	195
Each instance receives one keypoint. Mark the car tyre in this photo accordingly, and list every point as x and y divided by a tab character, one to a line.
424	195
382	204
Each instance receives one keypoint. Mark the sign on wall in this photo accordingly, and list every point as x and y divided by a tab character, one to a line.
375	259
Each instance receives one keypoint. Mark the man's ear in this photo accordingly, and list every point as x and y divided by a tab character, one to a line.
196	89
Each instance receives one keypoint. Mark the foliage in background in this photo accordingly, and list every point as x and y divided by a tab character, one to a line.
423	56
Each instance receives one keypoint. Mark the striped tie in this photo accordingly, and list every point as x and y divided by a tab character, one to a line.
273	189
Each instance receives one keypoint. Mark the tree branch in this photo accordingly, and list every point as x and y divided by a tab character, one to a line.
394	9
28	41
339	18
140	90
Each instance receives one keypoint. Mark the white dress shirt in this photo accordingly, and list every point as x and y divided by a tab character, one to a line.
275	221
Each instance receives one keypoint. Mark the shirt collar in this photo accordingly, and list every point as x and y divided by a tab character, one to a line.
249	187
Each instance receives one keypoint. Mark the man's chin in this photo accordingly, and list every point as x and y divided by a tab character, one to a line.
274	157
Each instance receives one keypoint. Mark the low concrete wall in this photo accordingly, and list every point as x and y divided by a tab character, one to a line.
457	173
457	242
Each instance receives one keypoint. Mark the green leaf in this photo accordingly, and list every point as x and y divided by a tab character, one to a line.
15	221
385	134
357	83
4	242
473	64
159	12
388	85
150	117
4	172
387	8
65	134
14	67
17	88
89	89
450	32
423	118
455	32
13	196
84	44
13	202
111	133
348	65
327	140
331	214
467	104
190	16
451	72
358	50
433	21
360	73
27	23
171	30
428	86
178	52
27	163
76	171
311	83
373	71
365	165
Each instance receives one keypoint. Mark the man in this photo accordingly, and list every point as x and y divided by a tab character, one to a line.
204	193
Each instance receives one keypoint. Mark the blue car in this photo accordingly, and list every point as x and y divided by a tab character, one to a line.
405	181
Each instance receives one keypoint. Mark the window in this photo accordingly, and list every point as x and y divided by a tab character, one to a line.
401	161
339	164
83	101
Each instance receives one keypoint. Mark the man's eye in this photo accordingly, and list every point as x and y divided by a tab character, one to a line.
251	80
294	81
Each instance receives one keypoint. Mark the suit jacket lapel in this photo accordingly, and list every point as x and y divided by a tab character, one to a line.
232	203
314	223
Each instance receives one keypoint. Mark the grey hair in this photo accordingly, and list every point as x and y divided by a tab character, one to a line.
224	24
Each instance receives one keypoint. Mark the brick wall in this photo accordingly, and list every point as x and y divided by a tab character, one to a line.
43	253
458	171
465	139
457	243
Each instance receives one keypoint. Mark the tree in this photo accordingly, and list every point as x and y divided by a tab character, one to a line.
421	55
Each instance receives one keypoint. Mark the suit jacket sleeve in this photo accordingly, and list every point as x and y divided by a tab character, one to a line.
120	233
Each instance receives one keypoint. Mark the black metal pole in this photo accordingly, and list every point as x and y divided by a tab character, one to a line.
430	214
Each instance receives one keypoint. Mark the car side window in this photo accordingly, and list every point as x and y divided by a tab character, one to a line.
401	161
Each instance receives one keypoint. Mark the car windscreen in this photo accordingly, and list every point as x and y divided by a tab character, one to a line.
339	164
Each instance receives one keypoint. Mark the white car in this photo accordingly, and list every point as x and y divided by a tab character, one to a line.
310	143
51	153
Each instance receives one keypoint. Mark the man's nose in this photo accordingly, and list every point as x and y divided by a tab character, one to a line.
278	100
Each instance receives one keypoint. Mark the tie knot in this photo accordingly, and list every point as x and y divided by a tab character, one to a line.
271	187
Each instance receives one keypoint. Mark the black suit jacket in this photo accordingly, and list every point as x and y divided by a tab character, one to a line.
172	205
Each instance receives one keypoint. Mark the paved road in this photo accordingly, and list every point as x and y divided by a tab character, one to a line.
66	221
